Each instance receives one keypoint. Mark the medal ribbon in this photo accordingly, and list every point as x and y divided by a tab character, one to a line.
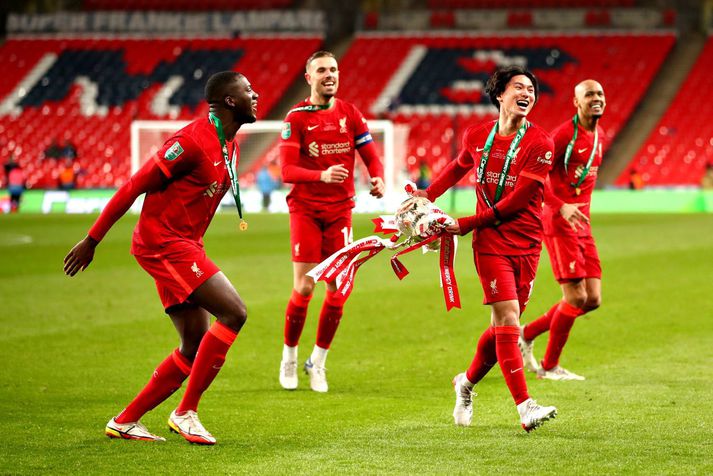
506	166
230	165
570	147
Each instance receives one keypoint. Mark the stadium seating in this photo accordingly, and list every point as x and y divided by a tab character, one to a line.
90	90
464	4
681	145
440	90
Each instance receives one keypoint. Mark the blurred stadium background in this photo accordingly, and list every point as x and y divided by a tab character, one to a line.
77	73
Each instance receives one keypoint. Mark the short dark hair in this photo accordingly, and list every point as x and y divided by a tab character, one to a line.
501	77
319	54
215	87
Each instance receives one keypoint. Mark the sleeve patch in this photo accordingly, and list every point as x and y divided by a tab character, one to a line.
286	130
173	152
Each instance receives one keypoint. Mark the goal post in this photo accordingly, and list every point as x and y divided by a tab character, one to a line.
259	145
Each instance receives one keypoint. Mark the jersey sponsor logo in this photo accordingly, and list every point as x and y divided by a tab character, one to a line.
336	148
546	160
210	191
343	125
313	149
196	270
494	178
309	128
286	130
173	152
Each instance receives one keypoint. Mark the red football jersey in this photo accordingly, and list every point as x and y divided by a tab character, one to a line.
522	233
324	137
562	180
193	162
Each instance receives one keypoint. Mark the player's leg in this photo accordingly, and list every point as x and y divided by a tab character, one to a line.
218	297
574	296
594	294
305	240
336	235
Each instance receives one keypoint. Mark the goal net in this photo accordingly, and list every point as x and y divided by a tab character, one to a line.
259	147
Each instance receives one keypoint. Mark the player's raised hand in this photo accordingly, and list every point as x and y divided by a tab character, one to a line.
80	256
571	213
377	187
335	174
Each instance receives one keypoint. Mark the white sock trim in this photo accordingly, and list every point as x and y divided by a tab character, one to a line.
289	353
319	356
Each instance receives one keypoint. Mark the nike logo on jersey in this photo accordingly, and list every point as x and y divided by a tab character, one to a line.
579	151
478	149
215	164
309	128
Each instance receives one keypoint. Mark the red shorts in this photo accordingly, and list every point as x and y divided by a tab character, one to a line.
315	235
573	257
178	271
506	278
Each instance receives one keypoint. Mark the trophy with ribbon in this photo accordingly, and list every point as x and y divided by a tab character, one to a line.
418	223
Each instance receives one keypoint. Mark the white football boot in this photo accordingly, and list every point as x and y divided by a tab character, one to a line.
317	376
130	431
557	373
533	415
526	349
288	374
463	410
190	427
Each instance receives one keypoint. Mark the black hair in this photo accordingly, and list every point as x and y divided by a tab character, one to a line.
499	80
319	54
216	86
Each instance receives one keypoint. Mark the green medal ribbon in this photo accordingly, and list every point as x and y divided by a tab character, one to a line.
570	147
313	107
506	166
230	165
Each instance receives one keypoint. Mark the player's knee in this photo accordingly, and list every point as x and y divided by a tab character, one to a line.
593	302
305	287
577	300
236	317
189	345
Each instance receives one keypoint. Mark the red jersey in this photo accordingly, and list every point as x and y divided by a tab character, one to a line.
326	137
561	188
522	233
193	163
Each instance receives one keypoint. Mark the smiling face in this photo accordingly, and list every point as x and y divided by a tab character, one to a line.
323	78
589	99
518	98
242	100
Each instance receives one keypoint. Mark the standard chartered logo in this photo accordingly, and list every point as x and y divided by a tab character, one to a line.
314	149
327	149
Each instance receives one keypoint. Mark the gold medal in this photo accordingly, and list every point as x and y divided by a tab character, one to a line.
243	225
577	191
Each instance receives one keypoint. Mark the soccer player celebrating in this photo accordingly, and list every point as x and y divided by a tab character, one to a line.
319	138
511	158
184	184
568	235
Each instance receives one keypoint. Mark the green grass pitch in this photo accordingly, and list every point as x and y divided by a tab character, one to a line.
74	351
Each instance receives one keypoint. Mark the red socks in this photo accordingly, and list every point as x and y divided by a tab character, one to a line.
295	316
510	361
209	359
485	357
329	319
166	379
540	325
562	322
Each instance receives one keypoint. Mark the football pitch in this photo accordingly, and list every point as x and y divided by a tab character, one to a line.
74	351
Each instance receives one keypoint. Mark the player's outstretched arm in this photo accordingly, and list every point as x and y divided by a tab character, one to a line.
148	178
